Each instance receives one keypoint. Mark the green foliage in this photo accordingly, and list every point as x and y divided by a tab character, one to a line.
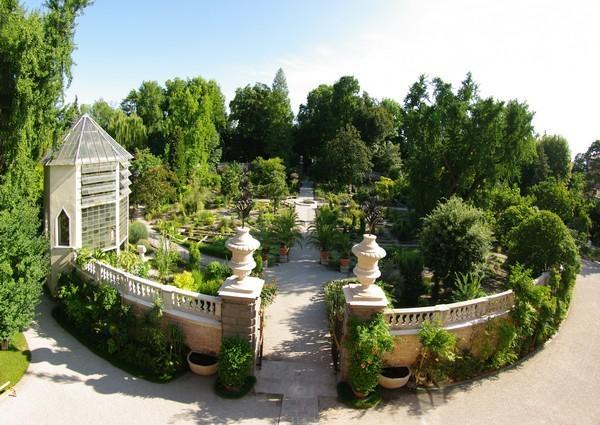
216	248
437	352
458	143
335	304
36	49
206	286
367	342
346	396
268	293
402	269
346	159
262	120
534	311
554	196
184	280
386	158
467	286
542	242
217	270
553	161
235	361
455	238
154	188
231	177
23	266
137	231
95	315
510	219
194	256
268	179
285	228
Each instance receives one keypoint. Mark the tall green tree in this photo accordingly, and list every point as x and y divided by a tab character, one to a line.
35	66
195	112
459	143
268	178
346	159
261	122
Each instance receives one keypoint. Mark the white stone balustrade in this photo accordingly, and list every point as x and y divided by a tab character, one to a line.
455	315
145	292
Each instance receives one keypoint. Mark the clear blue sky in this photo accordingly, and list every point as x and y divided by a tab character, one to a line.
541	51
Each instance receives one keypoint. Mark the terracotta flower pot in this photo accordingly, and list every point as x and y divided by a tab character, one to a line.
202	364
394	377
283	250
344	265
358	394
324	257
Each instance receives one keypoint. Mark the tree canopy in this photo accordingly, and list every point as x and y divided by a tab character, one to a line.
459	143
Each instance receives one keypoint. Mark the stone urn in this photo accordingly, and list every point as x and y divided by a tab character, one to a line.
242	247
368	254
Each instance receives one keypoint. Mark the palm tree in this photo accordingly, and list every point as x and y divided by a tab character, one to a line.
286	231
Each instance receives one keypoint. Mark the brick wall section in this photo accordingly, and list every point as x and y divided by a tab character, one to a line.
241	317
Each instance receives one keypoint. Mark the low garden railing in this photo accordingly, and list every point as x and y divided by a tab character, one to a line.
410	320
145	291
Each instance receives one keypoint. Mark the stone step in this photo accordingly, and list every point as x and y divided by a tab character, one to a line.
296	379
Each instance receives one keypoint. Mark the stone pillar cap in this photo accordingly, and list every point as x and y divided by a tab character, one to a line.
369	248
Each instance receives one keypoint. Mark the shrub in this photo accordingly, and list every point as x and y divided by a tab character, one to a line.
455	238
367	342
184	280
335	304
437	353
467	287
216	248
194	256
554	196
511	218
234	361
542	242
97	317
403	270
217	270
137	231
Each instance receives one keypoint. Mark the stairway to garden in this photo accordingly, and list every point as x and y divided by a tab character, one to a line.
296	352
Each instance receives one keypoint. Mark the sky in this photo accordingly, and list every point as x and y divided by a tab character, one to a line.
541	52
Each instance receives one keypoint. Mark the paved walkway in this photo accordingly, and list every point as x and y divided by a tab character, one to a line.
297	356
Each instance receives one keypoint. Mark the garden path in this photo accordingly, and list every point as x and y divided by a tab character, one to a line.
297	356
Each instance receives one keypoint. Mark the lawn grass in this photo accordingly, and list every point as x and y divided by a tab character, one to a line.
15	360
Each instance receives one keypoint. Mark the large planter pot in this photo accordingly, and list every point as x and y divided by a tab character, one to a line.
344	265
202	364
392	378
324	257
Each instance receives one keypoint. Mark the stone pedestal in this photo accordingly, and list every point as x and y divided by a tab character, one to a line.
364	299
240	311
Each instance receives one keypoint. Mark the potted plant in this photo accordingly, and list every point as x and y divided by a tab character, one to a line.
344	246
366	343
323	232
393	377
286	232
322	236
202	364
234	364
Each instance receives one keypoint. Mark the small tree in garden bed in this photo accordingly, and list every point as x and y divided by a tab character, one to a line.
455	238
